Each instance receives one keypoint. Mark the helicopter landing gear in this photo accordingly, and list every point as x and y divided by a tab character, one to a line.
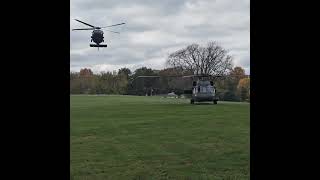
192	101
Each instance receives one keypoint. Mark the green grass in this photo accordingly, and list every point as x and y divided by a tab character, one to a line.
132	137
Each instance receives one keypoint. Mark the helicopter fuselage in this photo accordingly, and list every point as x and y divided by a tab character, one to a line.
97	33
97	36
203	91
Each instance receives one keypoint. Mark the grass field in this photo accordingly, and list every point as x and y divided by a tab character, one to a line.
132	137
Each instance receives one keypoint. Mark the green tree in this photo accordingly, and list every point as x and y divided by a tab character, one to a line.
125	71
75	83
121	83
144	71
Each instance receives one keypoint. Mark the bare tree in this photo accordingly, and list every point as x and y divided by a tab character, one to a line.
209	60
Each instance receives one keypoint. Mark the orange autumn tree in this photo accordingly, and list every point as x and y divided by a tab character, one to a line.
244	89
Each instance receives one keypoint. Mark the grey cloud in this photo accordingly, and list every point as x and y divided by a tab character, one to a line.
164	6
155	28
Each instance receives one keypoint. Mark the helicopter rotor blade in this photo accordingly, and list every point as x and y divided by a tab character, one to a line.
112	31
83	29
84	23
113	25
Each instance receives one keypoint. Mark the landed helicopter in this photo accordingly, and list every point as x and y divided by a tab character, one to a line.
97	34
202	88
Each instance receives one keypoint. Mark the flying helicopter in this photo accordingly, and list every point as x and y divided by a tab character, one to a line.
97	34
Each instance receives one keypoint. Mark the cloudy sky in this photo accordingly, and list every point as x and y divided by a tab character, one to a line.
154	29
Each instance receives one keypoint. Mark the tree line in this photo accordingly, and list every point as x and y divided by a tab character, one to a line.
192	60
